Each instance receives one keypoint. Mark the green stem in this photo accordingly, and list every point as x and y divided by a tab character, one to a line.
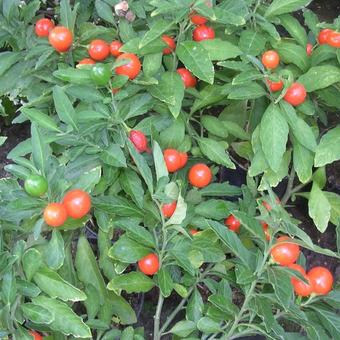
289	188
156	332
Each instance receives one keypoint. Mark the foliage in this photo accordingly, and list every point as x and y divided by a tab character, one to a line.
63	283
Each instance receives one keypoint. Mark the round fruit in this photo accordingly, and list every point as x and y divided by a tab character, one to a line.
296	94
60	38
170	42
43	27
270	59
149	264
275	86
333	39
36	335
285	253
300	288
188	79
172	159
168	209
203	32
132	68
309	49
138	139
232	223
268	206
197	19
323	36
77	203
114	48
265	230
86	61
55	214
35	185
101	74
193	232
200	175
321	280
99	49
183	159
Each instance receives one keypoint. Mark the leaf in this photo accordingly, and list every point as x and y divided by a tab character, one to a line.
132	185
75	76
7	59
251	224
173	135
207	325
183	328
216	209
158	28
278	7
303	161
209	95
220	189
152	63
127	250
104	11
328	149
141	165
195	59
246	91
87	268
52	284
282	286
54	253
165	281
31	260
133	282
294	28
215	152
223	303
319	208
319	77
291	53
160	166
65	320
220	49
274	135
113	155
180	213
40	149
194	309
64	107
231	240
251	42
334	201
40	119
26	288
36	314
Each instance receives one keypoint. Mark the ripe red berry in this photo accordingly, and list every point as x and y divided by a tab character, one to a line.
270	59
149	264
188	79
77	203
170	42
285	253
193	232
183	156
43	27
300	288
60	38
275	86
321	280
200	175
114	48
139	140
132	68
99	49
197	19
168	209
323	36
309	49
203	32
333	39
172	159
86	61
232	223
296	94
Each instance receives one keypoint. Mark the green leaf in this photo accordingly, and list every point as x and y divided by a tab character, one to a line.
87	268
180	213
183	328
133	282
210	94
36	314
40	149
291	53
195	59
65	320
328	318
334	201
7	59
319	77
251	224
141	165
303	160
104	11
216	209
274	135
160	166
282	286
158	28
165	281
75	76
328	149
173	136
278	7
31	260
223	303
127	250
246	77
207	325
232	241
220	189
220	49
52	284
64	107
26	288
194	309
319	208
113	155
132	185
294	28
54	253
215	152
152	63
246	91
40	119
251	42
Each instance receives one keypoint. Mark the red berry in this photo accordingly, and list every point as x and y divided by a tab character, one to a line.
333	39
300	288
172	159
149	264
183	159
60	38
232	223
198	19
270	59
203	32
285	253
188	79
323	36
99	49
168	209
321	280
275	86
43	27
170	42
309	49
138	139
296	94
114	48
86	61
200	175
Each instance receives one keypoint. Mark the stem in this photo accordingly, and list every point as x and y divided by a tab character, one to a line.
156	332
289	188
